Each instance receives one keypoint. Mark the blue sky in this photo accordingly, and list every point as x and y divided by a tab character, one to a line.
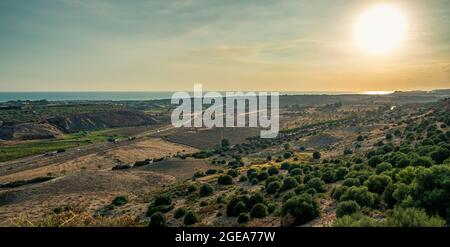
93	45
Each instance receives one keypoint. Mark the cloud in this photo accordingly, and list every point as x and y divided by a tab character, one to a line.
228	51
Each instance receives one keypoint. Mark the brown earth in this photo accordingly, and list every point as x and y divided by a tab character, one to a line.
28	131
148	148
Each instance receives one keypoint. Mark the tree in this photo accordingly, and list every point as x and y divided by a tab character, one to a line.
206	190
259	210
302	207
316	155
347	208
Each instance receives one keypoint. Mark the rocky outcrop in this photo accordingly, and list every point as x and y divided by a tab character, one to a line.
100	120
28	131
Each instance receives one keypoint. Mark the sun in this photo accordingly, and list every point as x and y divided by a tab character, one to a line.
380	29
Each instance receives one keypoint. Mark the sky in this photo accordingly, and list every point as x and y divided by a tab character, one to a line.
252	45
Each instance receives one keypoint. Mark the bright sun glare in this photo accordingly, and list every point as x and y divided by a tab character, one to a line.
380	29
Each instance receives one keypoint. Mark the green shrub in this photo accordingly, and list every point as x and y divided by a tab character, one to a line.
243	178
317	184
233	173
190	218
259	210
243	218
422	161
233	202
240	207
206	190
361	195
412	217
250	172
356	220
273	171
287	155
439	155
285	166
263	175
347	208
157	220
377	183
432	190
273	187
316	155
289	183
387	195
349	182
329	176
161	208
341	173
296	171
348	151
163	199
119	201
255	199
382	167
339	191
193	188
374	161
288	195
225	180
180	212
303	208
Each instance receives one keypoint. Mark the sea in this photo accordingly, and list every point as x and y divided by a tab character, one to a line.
113	96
